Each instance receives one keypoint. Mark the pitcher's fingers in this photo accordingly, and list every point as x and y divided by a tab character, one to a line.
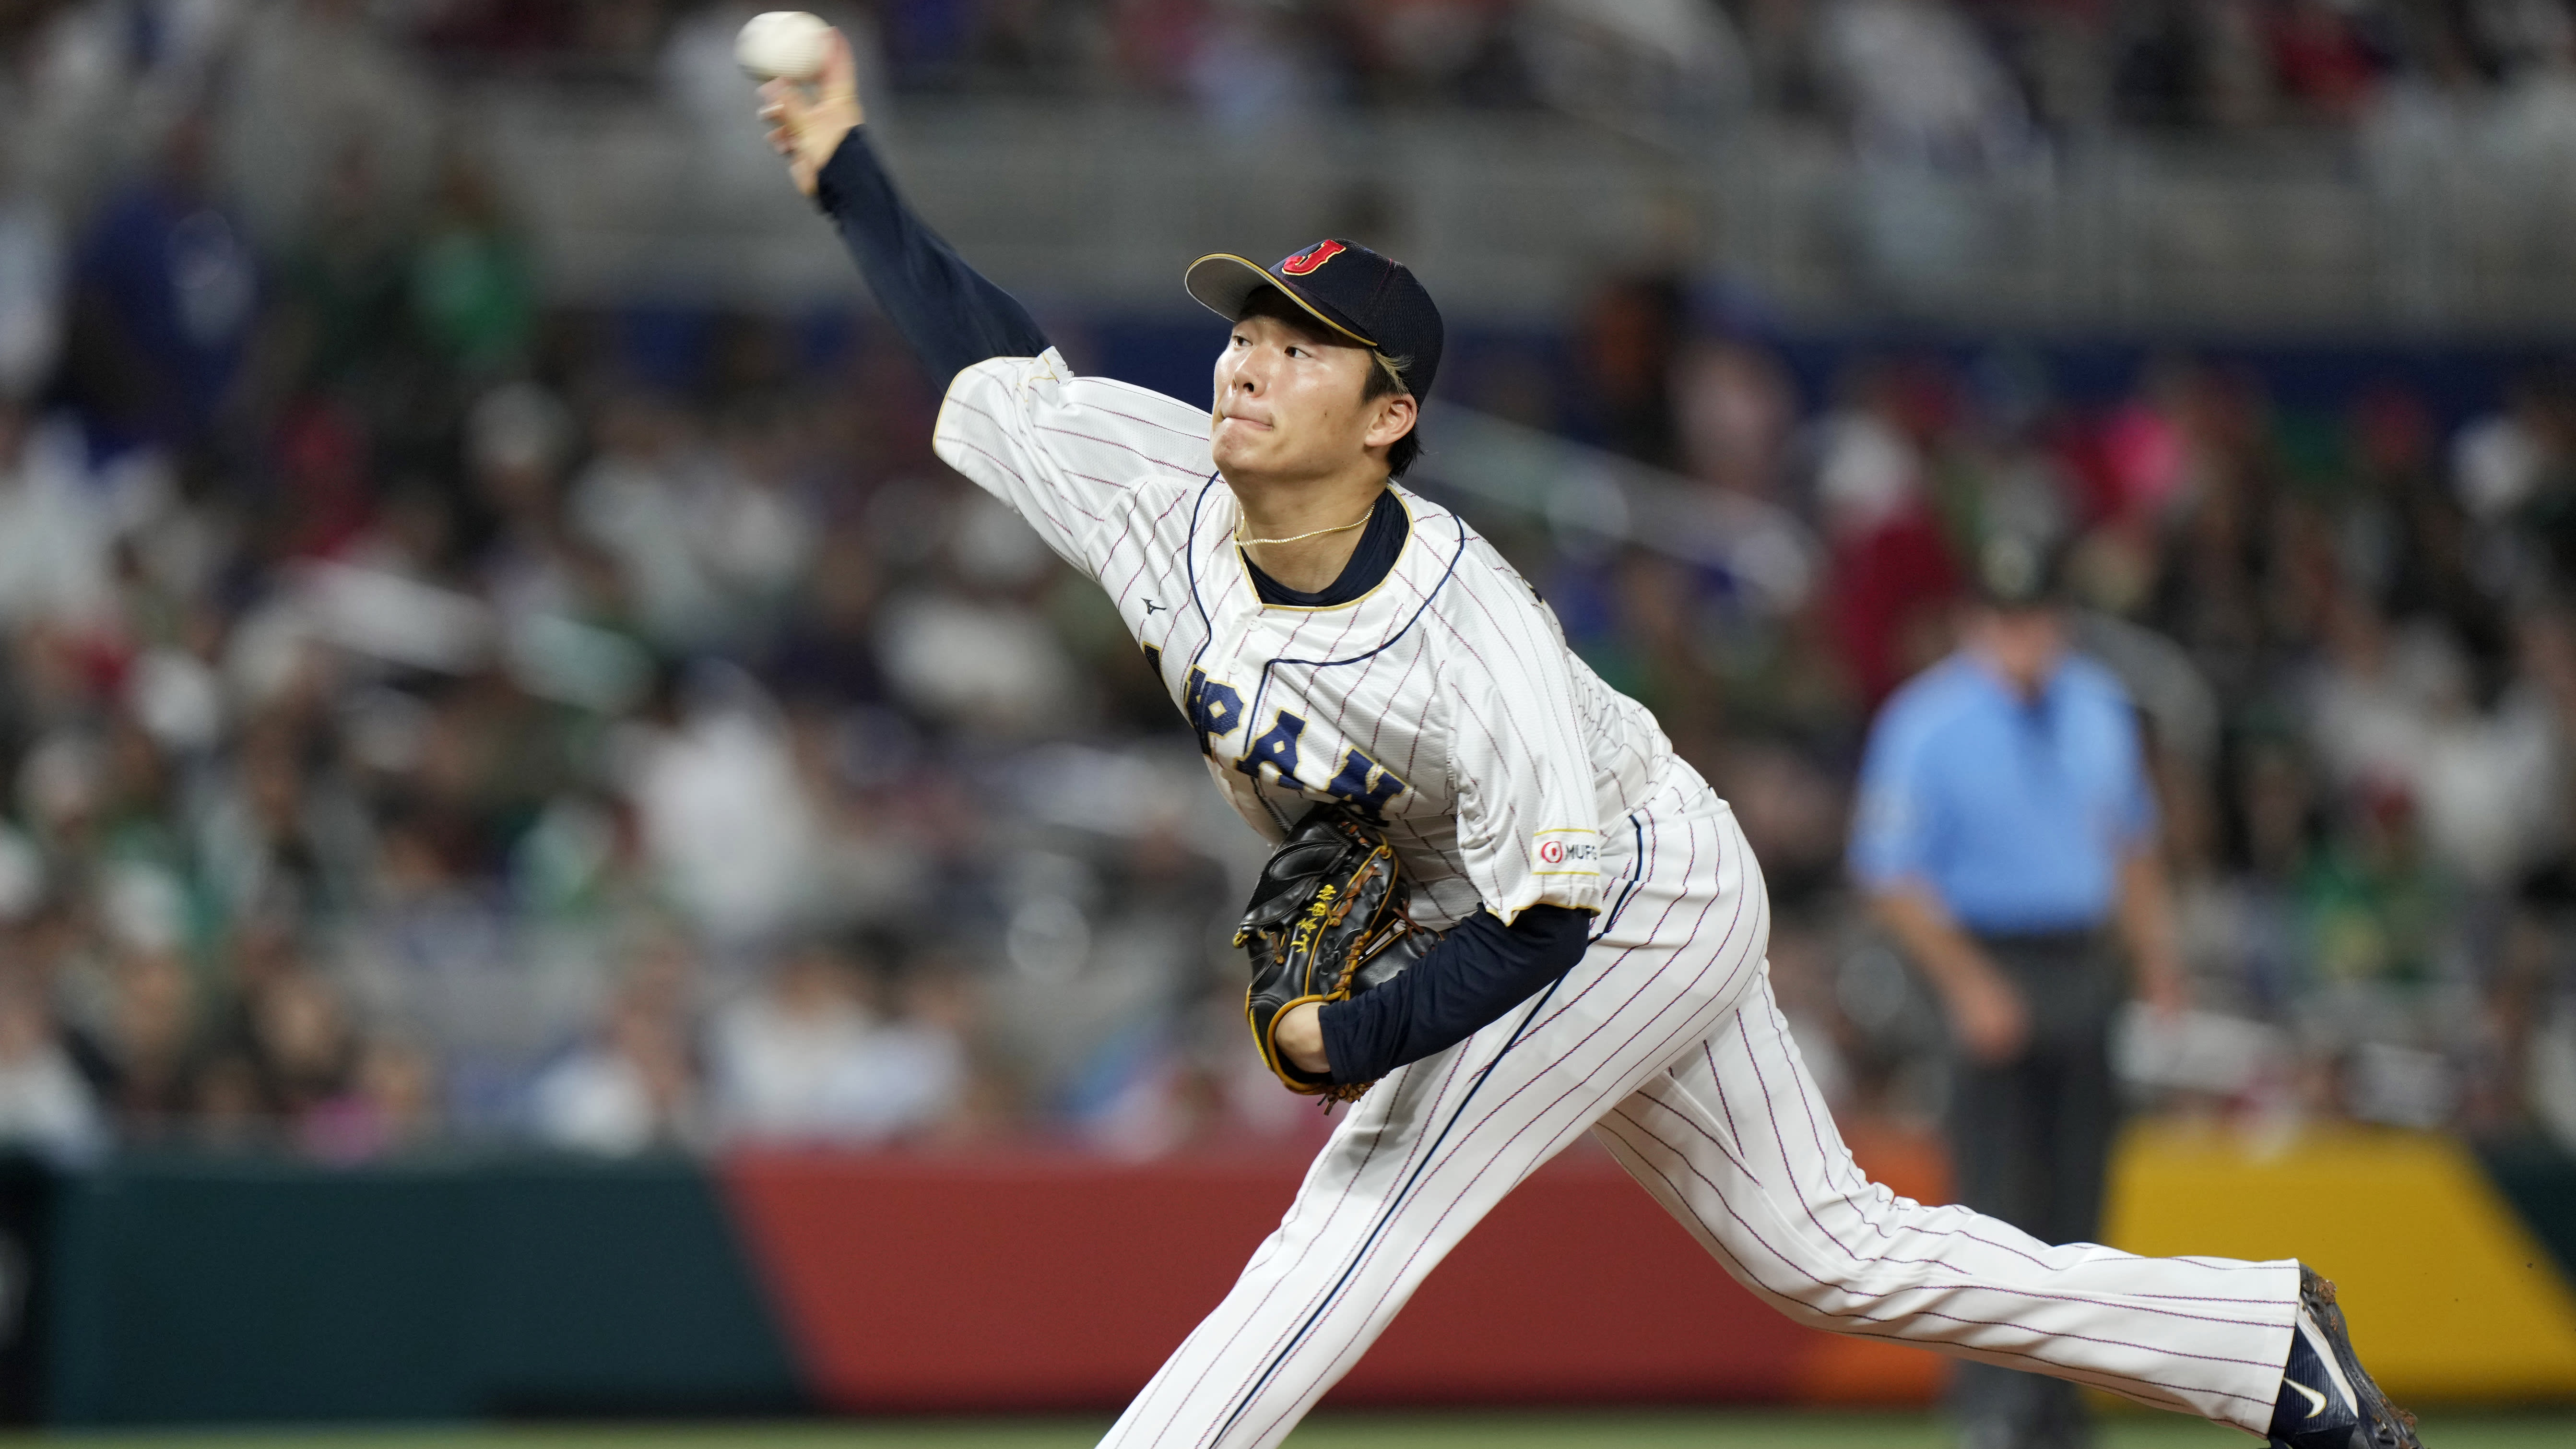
782	141
780	101
840	77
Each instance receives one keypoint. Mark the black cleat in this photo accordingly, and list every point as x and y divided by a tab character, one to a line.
2327	1401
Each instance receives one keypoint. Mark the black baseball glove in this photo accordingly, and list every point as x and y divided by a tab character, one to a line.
1326	923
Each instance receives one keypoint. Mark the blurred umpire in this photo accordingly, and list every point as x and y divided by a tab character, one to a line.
2006	837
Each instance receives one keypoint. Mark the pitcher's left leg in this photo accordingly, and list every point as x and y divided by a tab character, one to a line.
1432	1148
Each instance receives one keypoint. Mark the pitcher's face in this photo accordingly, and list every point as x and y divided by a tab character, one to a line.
1291	400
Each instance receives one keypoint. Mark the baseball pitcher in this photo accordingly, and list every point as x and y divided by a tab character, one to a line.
1503	912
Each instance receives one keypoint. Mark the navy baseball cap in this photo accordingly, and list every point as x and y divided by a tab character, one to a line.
1370	299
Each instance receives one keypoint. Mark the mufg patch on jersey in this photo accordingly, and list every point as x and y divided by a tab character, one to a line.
1569	851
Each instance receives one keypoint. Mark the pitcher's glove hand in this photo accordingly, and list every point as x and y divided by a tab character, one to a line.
1326	923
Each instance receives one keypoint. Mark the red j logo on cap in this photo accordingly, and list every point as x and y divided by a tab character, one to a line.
1312	257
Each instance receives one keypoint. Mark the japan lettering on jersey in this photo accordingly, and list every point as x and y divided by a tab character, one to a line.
1443	704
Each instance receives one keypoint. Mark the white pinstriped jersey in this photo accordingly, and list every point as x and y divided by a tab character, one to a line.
1444	703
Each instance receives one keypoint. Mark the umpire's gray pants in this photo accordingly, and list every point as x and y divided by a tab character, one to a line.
2030	1143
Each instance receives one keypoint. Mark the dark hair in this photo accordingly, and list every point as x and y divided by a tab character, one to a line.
1382	383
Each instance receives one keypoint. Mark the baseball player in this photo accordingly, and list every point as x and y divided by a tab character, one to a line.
1334	639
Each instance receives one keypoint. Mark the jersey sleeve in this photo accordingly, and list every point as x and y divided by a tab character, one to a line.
1529	826
1068	453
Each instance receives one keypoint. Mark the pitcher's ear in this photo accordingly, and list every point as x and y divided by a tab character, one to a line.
1397	414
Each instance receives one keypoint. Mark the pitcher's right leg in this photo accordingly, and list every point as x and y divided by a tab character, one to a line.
1735	1142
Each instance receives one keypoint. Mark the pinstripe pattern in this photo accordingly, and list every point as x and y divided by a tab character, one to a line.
1452	675
1664	1040
1728	1142
1437	1144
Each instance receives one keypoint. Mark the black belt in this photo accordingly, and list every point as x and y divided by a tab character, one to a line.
2072	982
2078	938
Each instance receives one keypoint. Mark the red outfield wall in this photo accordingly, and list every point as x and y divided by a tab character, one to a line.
936	1283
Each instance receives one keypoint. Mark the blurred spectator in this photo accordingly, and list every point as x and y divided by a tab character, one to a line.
343	288
472	286
927	1081
722	814
632	501
324	88
45	1106
1892	575
1735	410
1253	66
1430	48
301	1044
822	653
392	1104
31	266
790	1062
1920	84
153	1046
634	1085
2373	908
2393	715
58	524
2322	58
1661	67
165	289
969	650
1631	336
804	1058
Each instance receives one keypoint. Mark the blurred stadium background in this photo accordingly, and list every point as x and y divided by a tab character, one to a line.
554	863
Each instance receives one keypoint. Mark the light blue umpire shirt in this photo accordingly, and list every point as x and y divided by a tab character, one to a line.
2015	812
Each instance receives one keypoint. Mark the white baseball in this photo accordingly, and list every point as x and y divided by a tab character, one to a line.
783	45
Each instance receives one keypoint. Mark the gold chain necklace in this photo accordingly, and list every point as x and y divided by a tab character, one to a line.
1243	542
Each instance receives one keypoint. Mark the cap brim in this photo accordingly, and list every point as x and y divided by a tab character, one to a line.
1223	282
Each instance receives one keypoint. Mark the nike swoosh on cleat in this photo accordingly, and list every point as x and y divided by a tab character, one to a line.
2314	1397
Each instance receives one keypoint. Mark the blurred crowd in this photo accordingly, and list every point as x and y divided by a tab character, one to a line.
2348	626
1958	77
1955	78
430	715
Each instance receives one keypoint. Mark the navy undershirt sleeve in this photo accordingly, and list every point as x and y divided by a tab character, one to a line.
952	316
1480	970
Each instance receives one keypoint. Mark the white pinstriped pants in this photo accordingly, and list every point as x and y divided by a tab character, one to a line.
1665	1041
